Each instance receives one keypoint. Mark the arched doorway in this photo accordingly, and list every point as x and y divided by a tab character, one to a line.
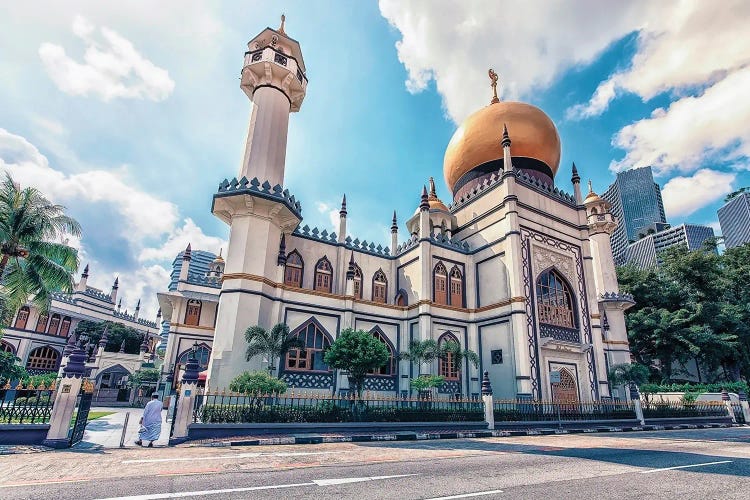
566	391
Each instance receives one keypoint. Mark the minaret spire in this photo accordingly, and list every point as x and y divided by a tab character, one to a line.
394	234
281	259
424	202
281	26
507	160
576	180
342	212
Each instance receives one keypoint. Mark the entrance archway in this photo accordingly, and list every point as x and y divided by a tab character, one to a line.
565	392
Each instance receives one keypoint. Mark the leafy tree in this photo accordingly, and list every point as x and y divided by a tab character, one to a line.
116	334
422	352
274	343
358	352
147	376
9	368
426	382
32	262
257	385
628	373
458	354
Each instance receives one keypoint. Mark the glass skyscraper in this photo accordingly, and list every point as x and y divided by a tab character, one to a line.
644	253
734	218
636	202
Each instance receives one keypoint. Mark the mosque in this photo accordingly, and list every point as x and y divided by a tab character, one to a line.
512	267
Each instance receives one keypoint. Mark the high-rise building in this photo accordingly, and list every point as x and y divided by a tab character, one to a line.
734	218
636	202
645	252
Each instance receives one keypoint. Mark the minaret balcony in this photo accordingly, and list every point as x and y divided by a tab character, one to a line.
268	66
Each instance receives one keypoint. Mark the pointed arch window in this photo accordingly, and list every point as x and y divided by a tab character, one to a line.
22	318
65	326
323	275
43	358
555	300
316	341
293	269
388	369
379	286
401	298
193	312
457	287
448	367
357	282
441	283
6	347
41	323
54	324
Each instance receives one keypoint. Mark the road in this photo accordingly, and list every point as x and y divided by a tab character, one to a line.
713	463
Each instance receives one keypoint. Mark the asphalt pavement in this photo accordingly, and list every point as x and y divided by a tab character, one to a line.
687	464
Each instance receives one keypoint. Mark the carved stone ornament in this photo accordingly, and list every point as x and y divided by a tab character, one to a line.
544	258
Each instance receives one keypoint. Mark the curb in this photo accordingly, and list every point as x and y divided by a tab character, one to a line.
429	436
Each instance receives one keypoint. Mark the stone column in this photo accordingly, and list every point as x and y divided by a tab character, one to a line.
635	397
489	403
184	414
728	403
745	406
65	400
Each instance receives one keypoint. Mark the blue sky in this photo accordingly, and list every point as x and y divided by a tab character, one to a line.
131	116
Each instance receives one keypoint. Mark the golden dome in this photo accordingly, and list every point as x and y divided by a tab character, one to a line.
219	258
592	197
433	200
477	140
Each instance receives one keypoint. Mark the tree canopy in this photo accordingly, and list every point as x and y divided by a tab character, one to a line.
357	352
116	334
694	307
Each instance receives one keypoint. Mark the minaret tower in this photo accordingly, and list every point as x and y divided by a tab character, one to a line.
260	214
273	77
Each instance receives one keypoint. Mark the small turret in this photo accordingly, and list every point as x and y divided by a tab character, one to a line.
137	309
115	287
394	234
342	221
507	161
84	279
185	268
281	259
576	180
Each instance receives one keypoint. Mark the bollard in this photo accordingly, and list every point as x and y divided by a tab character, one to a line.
124	430
489	405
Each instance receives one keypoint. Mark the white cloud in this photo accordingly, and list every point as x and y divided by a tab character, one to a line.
685	195
528	42
682	45
112	67
333	213
178	239
691	129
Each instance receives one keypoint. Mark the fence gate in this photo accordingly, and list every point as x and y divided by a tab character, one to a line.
82	413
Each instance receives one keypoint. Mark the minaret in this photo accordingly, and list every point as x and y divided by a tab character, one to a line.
281	258
342	221
115	287
84	278
187	256
424	214
137	309
350	277
119	305
576	180
394	234
273	77
507	161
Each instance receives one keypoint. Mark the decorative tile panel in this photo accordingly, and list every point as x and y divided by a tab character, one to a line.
301	380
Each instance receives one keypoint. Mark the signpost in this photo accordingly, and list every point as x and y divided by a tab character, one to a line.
554	378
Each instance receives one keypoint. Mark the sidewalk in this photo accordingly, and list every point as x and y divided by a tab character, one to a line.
106	432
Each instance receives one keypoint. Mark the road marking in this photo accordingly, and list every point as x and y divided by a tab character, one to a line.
685	466
467	495
239	455
316	482
45	482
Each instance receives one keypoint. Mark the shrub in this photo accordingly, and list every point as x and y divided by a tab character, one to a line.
699	388
425	382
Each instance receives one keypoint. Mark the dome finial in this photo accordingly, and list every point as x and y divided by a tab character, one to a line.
591	188
281	28
432	187
493	78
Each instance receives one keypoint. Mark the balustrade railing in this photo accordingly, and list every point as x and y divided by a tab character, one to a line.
679	409
26	405
524	410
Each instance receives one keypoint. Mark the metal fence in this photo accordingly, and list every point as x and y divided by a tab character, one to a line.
524	410
26	405
326	408
739	416
679	409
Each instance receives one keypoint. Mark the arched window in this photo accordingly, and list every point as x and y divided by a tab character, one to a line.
357	282
41	323
554	300
323	275
457	287
440	284
448	368
293	269
202	354
388	369
379	286
43	358
193	312
310	358
65	326
22	318
54	324
6	347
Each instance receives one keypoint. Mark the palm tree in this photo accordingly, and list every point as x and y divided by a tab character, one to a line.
628	375
459	355
273	344
34	263
421	352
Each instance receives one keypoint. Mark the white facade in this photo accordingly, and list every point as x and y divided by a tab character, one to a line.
478	272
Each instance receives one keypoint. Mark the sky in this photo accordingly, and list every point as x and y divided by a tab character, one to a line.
130	115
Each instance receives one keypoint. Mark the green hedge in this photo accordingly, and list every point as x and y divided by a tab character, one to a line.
700	388
325	412
33	400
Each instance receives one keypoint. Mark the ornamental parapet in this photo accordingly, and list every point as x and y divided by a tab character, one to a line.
202	280
331	238
539	185
98	295
476	191
616	297
452	243
264	190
